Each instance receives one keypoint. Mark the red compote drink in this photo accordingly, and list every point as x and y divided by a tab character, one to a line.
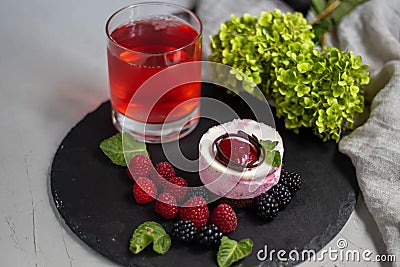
141	49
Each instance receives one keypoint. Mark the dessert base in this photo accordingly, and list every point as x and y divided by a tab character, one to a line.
246	203
95	200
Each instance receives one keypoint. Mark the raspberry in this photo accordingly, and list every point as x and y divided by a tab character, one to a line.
144	190
224	217
158	180
177	187
166	206
165	170
140	166
195	210
129	174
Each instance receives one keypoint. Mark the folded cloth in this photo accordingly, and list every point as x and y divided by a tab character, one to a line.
372	31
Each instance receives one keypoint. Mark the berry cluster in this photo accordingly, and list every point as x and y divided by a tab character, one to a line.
150	180
186	232
169	191
196	224
268	205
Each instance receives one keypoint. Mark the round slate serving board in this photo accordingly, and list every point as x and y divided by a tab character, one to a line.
95	197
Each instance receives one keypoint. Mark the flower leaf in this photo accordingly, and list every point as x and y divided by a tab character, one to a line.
344	9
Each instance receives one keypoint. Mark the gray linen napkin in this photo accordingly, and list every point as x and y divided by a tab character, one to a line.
373	31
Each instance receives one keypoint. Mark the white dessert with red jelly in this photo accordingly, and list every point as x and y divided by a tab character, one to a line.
234	164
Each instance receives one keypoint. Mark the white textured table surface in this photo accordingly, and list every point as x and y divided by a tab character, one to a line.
53	72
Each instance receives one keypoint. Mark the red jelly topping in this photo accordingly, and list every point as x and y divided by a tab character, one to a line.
238	150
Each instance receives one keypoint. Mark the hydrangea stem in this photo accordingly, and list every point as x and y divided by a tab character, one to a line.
324	14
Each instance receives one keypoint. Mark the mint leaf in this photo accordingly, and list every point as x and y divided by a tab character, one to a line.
277	159
272	157
140	242
162	244
147	233
268	144
120	148
231	251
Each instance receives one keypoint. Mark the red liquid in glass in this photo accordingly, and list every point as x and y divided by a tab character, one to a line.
146	47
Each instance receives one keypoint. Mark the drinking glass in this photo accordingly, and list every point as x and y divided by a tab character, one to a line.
151	44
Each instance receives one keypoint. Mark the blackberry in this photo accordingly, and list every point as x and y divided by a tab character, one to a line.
267	206
282	194
291	180
198	192
184	231
209	236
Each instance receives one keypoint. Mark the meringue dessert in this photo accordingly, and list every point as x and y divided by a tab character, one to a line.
240	159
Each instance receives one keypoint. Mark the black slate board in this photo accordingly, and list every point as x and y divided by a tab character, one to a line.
95	199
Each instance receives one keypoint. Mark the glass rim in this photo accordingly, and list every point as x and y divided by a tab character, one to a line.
199	34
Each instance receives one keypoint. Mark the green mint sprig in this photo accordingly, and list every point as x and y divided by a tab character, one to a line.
120	148
272	157
231	251
147	233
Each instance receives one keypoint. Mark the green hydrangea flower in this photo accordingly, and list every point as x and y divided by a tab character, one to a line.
311	88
